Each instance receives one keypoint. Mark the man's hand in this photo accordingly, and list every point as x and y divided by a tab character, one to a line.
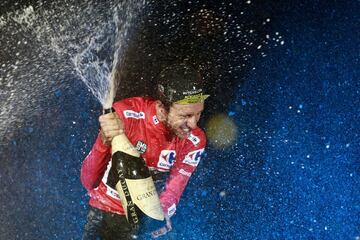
111	126
163	230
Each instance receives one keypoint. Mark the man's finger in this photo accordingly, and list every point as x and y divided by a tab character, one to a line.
111	128
168	223
159	232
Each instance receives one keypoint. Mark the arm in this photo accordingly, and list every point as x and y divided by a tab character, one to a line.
178	179
95	163
176	183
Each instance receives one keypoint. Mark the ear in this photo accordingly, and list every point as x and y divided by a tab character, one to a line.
160	111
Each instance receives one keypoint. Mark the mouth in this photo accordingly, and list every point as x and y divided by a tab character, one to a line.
184	132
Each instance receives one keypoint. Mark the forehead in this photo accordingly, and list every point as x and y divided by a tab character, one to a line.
187	108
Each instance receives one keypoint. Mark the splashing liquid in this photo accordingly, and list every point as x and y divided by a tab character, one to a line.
93	63
43	44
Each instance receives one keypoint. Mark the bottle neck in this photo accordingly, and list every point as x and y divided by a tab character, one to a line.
122	143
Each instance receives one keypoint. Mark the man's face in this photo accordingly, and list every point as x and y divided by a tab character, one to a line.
184	117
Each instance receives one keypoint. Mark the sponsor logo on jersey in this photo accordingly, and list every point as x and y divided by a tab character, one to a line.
155	120
193	158
133	114
194	139
141	147
166	159
183	172
112	193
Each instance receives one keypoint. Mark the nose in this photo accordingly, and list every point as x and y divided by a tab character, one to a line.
192	122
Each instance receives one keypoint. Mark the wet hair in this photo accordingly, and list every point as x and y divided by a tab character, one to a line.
166	104
173	81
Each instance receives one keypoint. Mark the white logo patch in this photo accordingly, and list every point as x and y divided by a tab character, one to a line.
110	192
171	210
193	158
194	139
133	114
166	159
155	120
183	172
141	147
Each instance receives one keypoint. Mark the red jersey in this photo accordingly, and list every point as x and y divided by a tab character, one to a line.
178	157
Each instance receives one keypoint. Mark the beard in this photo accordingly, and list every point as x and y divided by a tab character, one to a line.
178	131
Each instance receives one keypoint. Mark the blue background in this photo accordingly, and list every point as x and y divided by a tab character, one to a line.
292	174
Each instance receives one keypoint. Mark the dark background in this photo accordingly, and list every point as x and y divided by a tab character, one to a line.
293	171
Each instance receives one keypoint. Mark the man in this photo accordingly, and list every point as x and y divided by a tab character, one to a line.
165	132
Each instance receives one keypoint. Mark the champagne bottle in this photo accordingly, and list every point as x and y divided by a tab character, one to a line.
134	184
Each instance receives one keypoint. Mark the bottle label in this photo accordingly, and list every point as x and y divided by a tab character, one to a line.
145	196
126	201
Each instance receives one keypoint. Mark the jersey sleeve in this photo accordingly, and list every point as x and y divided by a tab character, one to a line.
181	171
94	165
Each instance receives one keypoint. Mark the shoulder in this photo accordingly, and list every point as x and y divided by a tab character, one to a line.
133	107
133	102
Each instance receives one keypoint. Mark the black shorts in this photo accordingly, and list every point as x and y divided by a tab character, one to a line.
107	226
